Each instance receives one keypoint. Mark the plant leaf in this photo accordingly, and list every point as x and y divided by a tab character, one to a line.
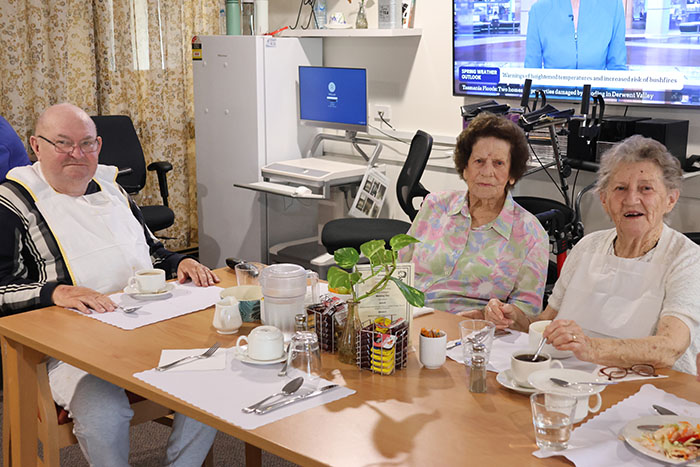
346	257
355	277
338	278
412	295
369	249
401	240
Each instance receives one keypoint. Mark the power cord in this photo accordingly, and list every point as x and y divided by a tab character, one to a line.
381	117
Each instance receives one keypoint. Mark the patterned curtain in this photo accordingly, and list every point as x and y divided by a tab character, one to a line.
110	57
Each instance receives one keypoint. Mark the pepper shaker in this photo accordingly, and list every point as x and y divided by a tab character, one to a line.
477	375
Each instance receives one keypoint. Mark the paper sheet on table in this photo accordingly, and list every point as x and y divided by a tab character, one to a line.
215	362
184	299
504	346
422	311
224	393
596	443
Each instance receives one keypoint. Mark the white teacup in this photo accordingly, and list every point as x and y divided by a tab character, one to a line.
148	280
227	317
583	406
535	334
433	350
264	343
521	365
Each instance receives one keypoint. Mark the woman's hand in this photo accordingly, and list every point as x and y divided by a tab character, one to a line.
565	334
201	275
472	314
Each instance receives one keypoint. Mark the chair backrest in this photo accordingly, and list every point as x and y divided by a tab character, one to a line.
121	147
408	184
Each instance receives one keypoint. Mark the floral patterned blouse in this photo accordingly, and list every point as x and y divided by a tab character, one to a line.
460	268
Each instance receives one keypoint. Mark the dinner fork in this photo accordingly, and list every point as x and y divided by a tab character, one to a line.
190	358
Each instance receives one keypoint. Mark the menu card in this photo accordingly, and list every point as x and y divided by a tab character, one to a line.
390	302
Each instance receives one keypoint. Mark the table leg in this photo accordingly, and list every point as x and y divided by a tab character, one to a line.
253	456
20	365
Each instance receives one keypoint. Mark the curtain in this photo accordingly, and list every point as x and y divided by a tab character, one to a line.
109	57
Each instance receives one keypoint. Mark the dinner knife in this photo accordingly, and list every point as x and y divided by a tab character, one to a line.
277	405
663	410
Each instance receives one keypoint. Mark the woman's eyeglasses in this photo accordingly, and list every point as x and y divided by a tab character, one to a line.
617	372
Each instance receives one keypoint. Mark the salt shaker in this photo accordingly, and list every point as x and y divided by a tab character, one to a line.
477	374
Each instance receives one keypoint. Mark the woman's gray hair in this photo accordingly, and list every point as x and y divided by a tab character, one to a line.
639	149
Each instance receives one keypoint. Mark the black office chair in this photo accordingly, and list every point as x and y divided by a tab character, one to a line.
353	232
121	147
694	236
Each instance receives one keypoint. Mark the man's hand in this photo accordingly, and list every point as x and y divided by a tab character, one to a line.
82	299
201	275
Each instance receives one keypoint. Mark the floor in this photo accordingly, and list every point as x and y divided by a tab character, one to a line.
148	442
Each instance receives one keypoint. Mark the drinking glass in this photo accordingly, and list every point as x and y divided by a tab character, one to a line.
476	331
552	416
247	274
305	354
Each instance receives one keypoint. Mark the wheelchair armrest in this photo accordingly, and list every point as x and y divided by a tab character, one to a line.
162	168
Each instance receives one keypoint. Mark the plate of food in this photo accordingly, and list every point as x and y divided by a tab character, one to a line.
676	439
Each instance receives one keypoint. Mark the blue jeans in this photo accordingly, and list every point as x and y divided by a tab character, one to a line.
101	414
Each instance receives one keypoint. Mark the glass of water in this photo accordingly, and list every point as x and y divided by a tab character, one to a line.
552	416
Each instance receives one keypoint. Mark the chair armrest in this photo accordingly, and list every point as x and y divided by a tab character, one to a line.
162	168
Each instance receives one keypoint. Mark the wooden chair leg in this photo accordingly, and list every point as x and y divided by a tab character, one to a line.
7	460
253	456
209	460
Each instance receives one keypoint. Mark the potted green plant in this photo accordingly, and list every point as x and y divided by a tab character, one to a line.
382	266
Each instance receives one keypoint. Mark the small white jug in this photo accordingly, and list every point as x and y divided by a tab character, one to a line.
227	317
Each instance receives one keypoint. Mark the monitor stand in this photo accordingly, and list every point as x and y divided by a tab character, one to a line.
350	137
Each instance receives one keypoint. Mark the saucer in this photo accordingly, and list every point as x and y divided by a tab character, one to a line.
541	381
243	356
338	26
165	293
506	380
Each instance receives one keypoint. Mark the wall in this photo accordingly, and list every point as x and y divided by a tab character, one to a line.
413	76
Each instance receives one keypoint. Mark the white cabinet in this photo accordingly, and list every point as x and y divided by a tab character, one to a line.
245	96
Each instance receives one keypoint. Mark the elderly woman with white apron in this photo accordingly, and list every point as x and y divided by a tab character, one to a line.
626	296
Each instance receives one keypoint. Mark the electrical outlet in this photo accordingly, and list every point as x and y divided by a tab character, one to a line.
384	110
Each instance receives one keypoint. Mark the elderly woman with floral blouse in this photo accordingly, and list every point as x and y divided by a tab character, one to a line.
479	247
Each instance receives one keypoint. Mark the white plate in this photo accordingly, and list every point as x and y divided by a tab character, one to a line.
505	379
632	434
243	356
134	293
540	381
339	26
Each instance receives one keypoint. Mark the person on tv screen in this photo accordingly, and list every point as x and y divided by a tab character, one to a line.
479	246
576	34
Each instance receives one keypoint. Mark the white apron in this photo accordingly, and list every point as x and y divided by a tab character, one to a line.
616	297
101	241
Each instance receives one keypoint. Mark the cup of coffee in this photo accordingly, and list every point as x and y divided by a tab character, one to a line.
227	317
535	334
522	365
433	350
264	343
248	297
148	281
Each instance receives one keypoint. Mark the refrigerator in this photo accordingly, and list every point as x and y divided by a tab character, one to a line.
246	116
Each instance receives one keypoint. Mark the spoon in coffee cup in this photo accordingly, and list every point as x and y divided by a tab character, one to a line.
539	349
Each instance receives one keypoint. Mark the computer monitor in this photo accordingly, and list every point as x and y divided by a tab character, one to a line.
333	97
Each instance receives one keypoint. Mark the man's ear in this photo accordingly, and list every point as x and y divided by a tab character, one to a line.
34	143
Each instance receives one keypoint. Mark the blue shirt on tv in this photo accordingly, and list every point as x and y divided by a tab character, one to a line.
597	44
12	151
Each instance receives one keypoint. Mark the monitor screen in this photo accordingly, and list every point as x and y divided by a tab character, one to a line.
333	97
631	52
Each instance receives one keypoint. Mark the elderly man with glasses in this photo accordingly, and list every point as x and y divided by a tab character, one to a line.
71	235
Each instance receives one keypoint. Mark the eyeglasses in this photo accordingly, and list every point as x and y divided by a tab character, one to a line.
617	372
66	147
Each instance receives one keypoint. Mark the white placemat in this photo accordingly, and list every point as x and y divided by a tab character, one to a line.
184	299
224	393
504	346
596	442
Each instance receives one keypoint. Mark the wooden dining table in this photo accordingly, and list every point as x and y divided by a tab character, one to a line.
416	416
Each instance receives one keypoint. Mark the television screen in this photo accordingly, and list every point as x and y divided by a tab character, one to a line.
333	97
632	52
